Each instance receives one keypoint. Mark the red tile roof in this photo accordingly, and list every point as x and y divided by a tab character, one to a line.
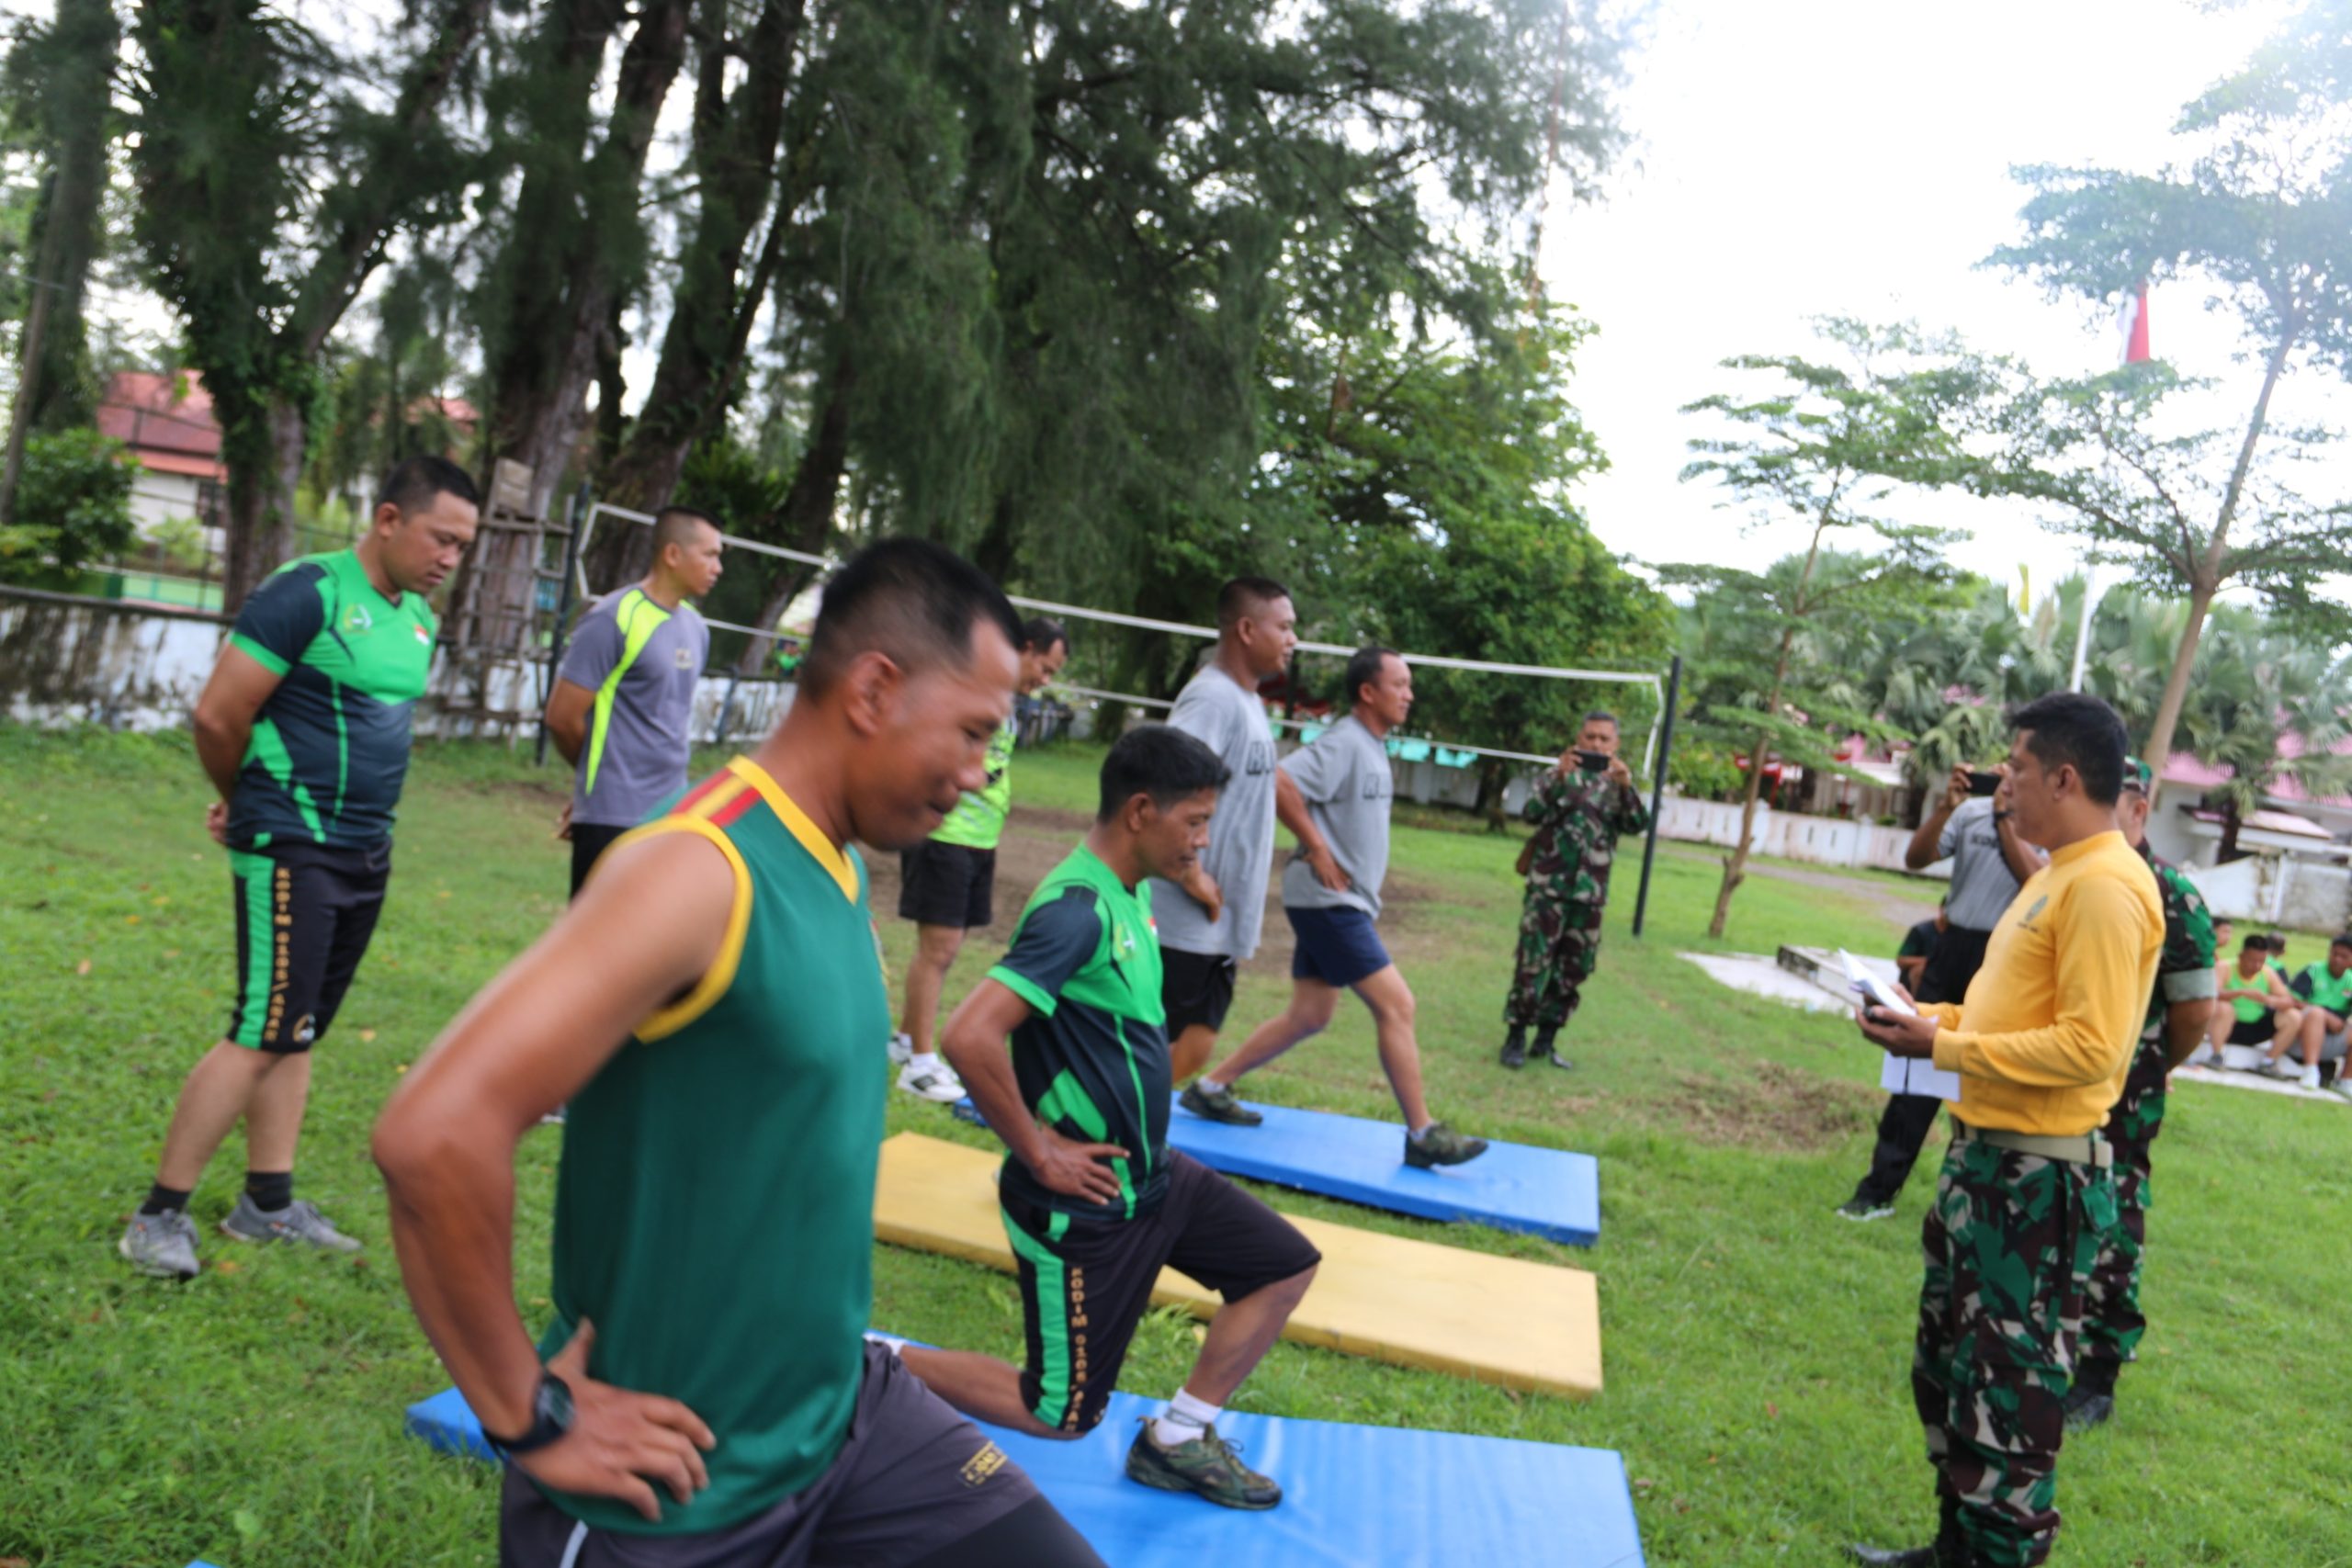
167	421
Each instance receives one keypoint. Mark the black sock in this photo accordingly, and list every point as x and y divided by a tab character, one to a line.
1543	1038
270	1189
1516	1039
163	1200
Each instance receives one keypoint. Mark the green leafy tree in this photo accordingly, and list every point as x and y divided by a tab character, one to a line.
72	508
2261	212
1826	445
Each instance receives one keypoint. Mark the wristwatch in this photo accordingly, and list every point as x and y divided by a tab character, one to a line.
550	1419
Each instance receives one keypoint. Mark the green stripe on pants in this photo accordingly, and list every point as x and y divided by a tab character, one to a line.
1052	1325
252	874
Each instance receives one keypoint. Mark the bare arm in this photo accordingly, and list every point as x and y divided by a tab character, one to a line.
567	719
2022	859
642	932
1290	807
973	1044
2185	1028
1926	847
226	711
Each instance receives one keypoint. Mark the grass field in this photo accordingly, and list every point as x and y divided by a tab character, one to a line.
1755	1345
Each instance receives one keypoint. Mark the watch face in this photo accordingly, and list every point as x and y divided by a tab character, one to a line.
553	1405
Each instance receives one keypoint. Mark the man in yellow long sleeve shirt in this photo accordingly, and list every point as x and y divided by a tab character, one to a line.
2041	1045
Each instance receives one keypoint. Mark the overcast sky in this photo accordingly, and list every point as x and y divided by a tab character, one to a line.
1851	157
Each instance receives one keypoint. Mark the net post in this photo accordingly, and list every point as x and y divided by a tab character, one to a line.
1658	789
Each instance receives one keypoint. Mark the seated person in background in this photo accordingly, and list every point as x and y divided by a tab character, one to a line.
2279	956
2225	935
2253	1004
2321	1029
1918	945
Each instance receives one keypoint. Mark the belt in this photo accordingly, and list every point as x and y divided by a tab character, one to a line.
2085	1148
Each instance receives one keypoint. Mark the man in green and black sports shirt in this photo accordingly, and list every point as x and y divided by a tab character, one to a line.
947	883
1094	1200
303	727
703	1392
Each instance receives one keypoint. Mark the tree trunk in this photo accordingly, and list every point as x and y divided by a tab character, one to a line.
88	41
2228	849
2209	577
1736	863
260	522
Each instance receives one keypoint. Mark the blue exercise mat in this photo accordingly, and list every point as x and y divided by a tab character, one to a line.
1511	1187
1351	1495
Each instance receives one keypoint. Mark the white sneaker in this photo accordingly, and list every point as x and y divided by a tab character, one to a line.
902	1049
936	1083
2309	1077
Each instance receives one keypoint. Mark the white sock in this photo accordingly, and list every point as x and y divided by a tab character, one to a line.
892	1340
2310	1077
1417	1133
923	1062
1209	1085
1184	1419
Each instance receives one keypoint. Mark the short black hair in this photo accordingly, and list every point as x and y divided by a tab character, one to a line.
675	522
2075	729
415	482
1161	762
2278	941
917	603
1602	716
1039	633
1243	594
2257	943
1363	668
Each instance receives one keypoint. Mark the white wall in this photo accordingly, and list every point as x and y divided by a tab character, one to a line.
1822	840
2278	891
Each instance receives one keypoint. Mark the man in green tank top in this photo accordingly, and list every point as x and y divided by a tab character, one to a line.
703	1391
947	883
1094	1201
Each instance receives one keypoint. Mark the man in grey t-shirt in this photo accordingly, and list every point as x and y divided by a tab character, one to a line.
1210	922
624	700
1989	862
1335	796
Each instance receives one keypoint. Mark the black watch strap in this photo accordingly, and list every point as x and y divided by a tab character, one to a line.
550	1419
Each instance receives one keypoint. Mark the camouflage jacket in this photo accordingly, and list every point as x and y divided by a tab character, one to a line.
2185	967
1579	818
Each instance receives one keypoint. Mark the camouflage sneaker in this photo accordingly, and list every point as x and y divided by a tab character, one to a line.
161	1244
1208	1465
1217	1105
1440	1145
299	1221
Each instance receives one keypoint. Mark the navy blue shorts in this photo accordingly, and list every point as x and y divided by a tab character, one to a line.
1335	946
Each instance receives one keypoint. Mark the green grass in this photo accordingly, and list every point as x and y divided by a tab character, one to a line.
1755	1347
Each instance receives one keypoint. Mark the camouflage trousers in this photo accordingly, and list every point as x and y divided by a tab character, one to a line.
1559	946
2112	1320
2009	1241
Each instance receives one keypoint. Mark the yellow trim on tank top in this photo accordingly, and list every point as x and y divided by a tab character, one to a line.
827	853
668	1020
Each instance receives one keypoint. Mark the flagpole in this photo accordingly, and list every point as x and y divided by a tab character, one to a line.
2083	626
2135	322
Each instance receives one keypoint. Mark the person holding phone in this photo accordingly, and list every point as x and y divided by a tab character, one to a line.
1974	828
1580	809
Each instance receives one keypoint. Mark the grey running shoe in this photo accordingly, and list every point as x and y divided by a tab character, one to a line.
1442	1145
1208	1466
1861	1209
299	1221
162	1245
1217	1105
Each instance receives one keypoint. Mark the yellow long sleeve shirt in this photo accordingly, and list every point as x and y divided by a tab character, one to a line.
2047	1031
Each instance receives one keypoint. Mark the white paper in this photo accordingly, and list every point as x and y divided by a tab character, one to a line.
1898	1075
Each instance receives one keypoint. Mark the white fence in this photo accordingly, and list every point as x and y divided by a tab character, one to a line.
1820	841
2278	891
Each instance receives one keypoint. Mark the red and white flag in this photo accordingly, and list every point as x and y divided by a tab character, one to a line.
2133	321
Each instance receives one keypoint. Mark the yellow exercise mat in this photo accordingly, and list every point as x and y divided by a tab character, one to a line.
1500	1320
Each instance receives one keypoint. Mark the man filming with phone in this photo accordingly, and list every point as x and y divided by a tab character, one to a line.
1973	826
1580	809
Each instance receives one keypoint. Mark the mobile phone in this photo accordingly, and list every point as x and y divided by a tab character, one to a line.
1593	762
1982	783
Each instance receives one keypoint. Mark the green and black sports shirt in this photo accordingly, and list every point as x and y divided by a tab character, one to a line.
329	747
1093	1059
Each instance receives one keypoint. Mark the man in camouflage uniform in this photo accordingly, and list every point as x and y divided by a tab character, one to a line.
2177	1013
2025	1199
1580	813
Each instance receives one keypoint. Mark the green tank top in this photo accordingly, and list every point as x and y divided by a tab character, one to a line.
715	1205
2246	1011
977	821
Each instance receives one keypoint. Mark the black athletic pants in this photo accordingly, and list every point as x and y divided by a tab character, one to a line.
1904	1125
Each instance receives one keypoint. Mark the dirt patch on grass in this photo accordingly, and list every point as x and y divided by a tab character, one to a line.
1769	1105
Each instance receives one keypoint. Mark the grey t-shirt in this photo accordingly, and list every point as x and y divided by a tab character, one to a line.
1982	882
634	756
1347	781
1215	710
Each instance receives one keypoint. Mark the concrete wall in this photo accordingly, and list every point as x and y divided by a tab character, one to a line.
2278	891
1820	841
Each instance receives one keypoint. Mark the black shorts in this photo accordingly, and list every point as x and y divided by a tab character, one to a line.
946	885
1195	987
304	914
589	843
1085	1282
912	1480
2257	1032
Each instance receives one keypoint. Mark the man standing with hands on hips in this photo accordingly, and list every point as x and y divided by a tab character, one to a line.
1580	809
2041	1045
